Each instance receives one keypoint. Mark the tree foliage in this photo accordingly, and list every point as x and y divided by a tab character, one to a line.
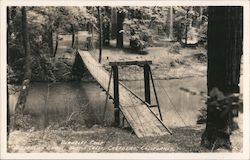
44	24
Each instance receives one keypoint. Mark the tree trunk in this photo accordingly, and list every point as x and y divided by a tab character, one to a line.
224	58
106	33
171	23
20	105
100	34
50	42
113	22
201	15
191	18
186	27
73	35
56	46
119	32
77	42
57	38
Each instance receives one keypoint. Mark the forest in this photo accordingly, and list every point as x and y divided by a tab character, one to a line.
58	101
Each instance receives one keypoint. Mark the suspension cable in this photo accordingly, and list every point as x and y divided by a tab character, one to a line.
175	109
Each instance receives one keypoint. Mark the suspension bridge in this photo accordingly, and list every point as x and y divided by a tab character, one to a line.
137	112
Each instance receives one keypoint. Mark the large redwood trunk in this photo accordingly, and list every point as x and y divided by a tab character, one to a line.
224	58
26	82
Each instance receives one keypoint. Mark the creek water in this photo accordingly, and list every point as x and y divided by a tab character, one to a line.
56	102
178	108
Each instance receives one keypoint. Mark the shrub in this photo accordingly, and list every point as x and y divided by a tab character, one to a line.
136	43
175	48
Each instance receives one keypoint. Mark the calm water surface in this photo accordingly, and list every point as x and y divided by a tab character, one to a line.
49	103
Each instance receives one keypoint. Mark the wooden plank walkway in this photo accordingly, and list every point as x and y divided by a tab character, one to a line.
139	116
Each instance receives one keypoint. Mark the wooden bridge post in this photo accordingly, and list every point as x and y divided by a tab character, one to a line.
116	95
146	83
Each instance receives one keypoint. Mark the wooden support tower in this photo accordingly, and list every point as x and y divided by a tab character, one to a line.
147	77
